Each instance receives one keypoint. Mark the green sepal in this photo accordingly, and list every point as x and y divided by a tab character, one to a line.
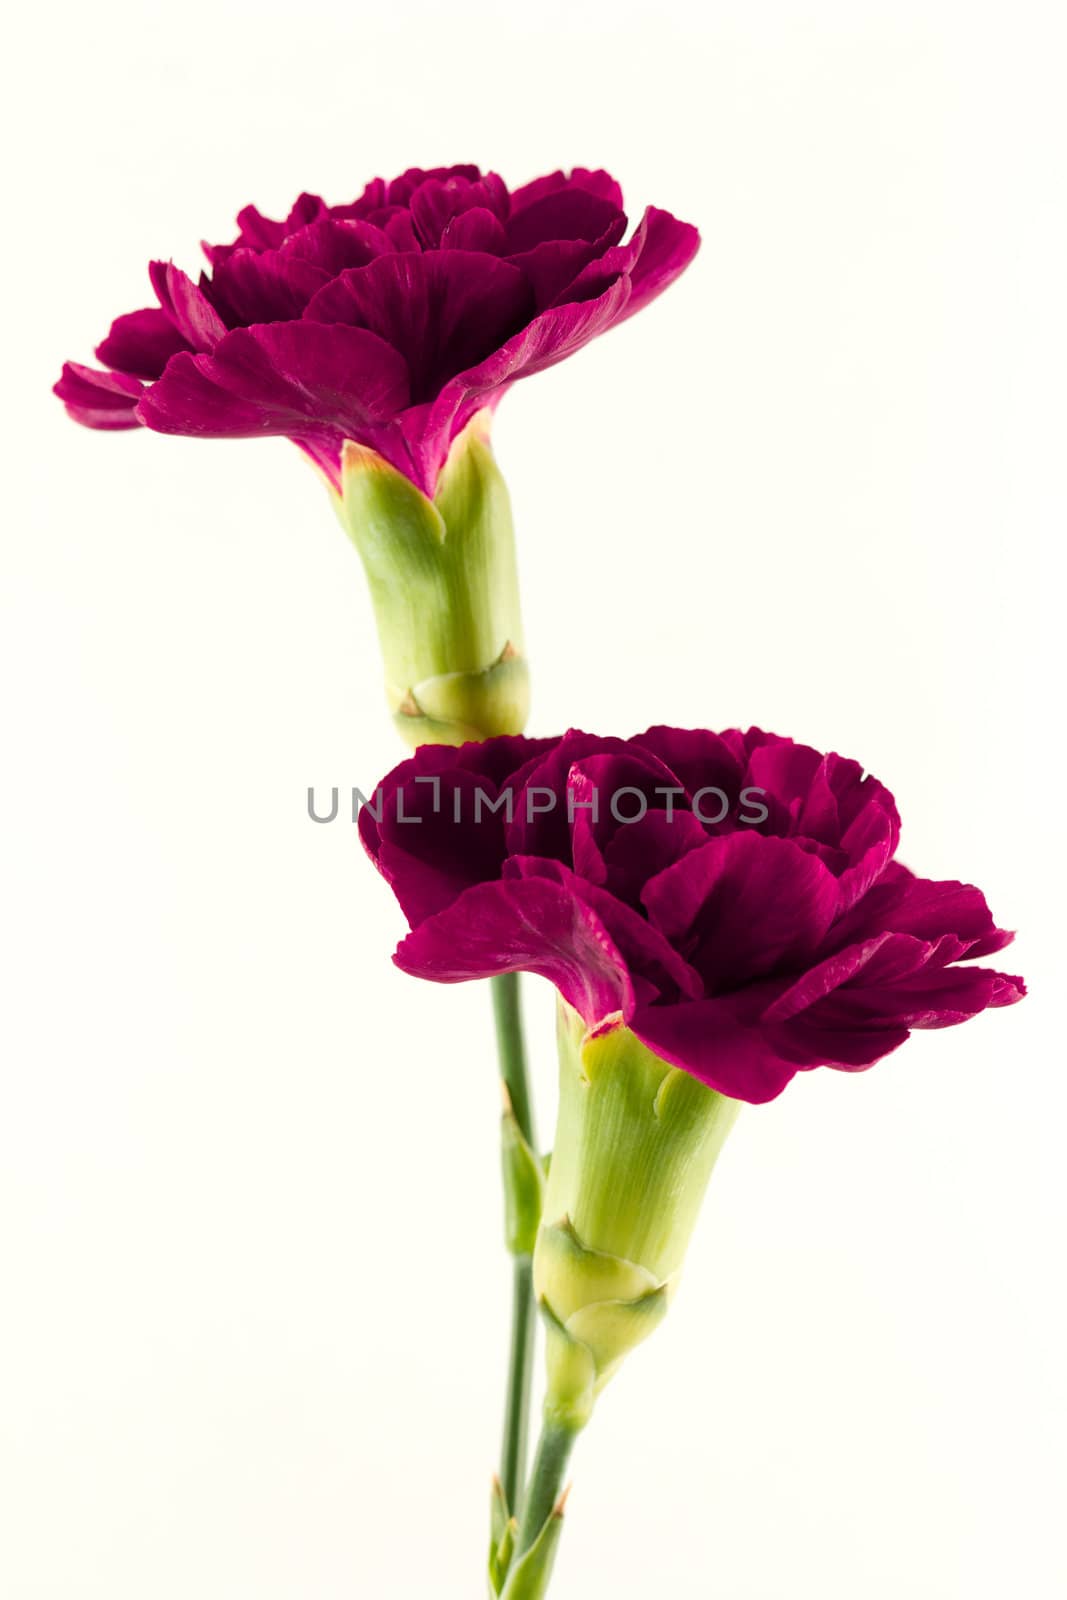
599	1303
529	1577
499	1514
500	1553
524	1187
570	1276
457	707
444	587
571	1372
610	1329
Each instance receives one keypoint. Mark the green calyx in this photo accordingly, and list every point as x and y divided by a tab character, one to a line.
444	588
635	1145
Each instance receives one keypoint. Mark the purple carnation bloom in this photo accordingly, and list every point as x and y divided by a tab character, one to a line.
389	321
746	920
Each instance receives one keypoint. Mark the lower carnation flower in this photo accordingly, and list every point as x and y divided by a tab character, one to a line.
732	899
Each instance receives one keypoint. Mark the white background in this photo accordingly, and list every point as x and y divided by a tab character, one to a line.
252	1338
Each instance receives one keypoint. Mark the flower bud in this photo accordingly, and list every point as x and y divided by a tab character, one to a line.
444	588
635	1144
524	1185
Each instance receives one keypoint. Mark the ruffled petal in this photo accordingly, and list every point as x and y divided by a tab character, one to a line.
303	379
542	822
565	214
400	190
642	849
551	267
656	969
97	399
935	997
714	1042
828	800
699	760
826	976
398	227
899	981
659	251
524	925
609	794
900	902
258	232
551	337
187	306
441	310
497	765
437	835
593	181
141	343
263	234
438	201
332	244
852	1009
477	229
743	907
844	1049
264	286
666	248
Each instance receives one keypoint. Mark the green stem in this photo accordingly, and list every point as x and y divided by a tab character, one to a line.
546	1480
512	1055
520	1372
511	1049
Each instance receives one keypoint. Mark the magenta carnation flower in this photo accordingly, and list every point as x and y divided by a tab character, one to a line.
389	321
732	898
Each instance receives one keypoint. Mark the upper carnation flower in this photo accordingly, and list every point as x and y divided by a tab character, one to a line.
389	321
731	897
